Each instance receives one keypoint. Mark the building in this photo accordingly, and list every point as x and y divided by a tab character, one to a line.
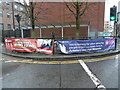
55	17
118	18
9	26
6	14
108	27
119	12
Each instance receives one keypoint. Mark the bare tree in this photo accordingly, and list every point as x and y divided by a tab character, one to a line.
31	14
78	9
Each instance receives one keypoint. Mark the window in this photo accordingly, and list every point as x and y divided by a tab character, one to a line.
8	3
1	14
8	15
0	2
21	9
1	26
15	6
9	27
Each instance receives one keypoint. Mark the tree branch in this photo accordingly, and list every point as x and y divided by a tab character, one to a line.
70	9
86	6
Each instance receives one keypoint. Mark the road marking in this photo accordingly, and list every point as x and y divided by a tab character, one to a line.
7	61
45	62
11	59
95	80
5	76
98	59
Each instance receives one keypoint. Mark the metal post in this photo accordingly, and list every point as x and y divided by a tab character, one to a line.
18	18
13	19
13	16
22	33
62	32
53	35
115	30
40	32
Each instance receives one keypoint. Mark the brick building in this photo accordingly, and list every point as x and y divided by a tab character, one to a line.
8	24
55	17
6	14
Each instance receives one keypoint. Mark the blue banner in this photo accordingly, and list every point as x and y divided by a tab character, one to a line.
83	46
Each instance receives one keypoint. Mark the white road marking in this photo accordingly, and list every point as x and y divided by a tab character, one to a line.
7	61
5	76
1	77
116	56
95	80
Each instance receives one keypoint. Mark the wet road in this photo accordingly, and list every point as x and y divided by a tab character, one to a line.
24	75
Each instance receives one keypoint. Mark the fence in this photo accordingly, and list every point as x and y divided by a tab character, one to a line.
26	33
15	34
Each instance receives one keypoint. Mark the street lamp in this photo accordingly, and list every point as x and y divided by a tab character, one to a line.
18	18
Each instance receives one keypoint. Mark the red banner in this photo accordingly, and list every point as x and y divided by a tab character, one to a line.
30	45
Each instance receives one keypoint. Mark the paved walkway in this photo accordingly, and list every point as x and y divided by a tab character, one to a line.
40	56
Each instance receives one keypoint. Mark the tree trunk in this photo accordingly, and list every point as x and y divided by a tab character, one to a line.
77	27
32	33
77	20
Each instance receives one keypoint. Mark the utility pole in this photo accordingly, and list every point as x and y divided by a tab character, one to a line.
18	18
13	19
13	16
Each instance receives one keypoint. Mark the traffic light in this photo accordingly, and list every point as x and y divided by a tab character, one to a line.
18	18
113	13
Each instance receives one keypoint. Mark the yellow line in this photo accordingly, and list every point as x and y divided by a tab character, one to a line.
43	62
54	62
40	62
98	59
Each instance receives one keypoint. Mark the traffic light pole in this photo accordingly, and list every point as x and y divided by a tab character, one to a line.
19	25
18	18
116	35
113	17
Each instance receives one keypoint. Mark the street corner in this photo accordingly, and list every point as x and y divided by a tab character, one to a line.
32	61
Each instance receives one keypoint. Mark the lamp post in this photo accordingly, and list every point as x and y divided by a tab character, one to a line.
18	18
13	16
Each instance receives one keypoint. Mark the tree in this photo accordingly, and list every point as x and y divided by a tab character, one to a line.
78	9
31	14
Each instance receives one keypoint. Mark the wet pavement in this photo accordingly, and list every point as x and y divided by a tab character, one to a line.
22	75
34	75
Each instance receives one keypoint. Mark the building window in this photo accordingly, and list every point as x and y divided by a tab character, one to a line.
0	2
15	6
1	26
9	27
1	14
8	3
8	15
21	9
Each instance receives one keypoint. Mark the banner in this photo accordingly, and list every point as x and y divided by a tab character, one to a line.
83	46
30	45
45	46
